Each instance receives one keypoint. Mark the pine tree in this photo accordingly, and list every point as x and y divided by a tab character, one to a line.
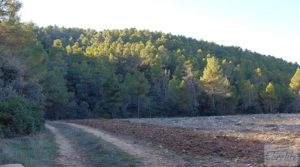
270	98
57	95
112	96
55	83
249	97
159	85
214	82
137	86
191	86
179	100
295	82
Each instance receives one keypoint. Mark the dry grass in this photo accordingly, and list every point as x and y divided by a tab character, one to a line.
32	151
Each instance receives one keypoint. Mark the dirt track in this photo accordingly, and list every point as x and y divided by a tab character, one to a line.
68	157
149	157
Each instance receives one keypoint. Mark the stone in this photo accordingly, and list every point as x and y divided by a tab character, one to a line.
12	165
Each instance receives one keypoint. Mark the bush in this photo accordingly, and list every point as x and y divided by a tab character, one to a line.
19	116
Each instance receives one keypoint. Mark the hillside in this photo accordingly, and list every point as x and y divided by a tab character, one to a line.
131	73
64	73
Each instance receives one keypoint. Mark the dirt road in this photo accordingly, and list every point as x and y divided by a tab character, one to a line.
149	157
68	157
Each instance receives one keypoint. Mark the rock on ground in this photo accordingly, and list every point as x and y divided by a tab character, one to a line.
12	165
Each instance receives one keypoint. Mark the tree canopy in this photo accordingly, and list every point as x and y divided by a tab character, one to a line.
132	73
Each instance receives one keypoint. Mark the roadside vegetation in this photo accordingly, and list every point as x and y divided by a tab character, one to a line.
38	150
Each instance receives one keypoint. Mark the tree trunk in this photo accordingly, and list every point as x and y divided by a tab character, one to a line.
138	106
213	103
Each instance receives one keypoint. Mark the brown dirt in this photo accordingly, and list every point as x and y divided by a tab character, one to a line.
186	140
68	157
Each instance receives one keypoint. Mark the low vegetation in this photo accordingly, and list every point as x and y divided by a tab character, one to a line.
33	151
19	116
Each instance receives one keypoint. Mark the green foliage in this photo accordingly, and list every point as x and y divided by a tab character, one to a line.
178	100
249	98
270	98
22	66
19	116
112	97
213	79
9	9
136	86
131	73
295	82
19	41
270	90
214	82
12	76
57	95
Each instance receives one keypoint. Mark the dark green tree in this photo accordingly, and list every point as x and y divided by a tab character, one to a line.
137	87
112	99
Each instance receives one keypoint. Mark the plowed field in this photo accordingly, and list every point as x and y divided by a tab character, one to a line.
239	139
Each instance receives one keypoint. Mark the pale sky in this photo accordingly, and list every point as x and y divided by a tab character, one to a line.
270	27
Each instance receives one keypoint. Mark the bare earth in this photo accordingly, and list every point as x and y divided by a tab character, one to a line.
266	128
218	140
68	157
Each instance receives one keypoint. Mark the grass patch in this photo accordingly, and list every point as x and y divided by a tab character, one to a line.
96	152
38	150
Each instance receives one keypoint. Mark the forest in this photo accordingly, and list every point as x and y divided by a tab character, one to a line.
70	73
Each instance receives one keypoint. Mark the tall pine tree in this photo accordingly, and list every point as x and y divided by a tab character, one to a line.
214	82
137	87
270	98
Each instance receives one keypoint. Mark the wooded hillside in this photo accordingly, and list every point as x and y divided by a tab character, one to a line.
132	73
77	73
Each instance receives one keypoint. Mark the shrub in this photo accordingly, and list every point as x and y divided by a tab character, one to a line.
19	116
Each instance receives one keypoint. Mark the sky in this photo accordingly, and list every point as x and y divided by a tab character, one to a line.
270	27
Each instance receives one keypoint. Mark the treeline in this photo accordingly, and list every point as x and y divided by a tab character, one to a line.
66	73
132	73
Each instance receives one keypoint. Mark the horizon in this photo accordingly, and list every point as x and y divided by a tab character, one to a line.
271	30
